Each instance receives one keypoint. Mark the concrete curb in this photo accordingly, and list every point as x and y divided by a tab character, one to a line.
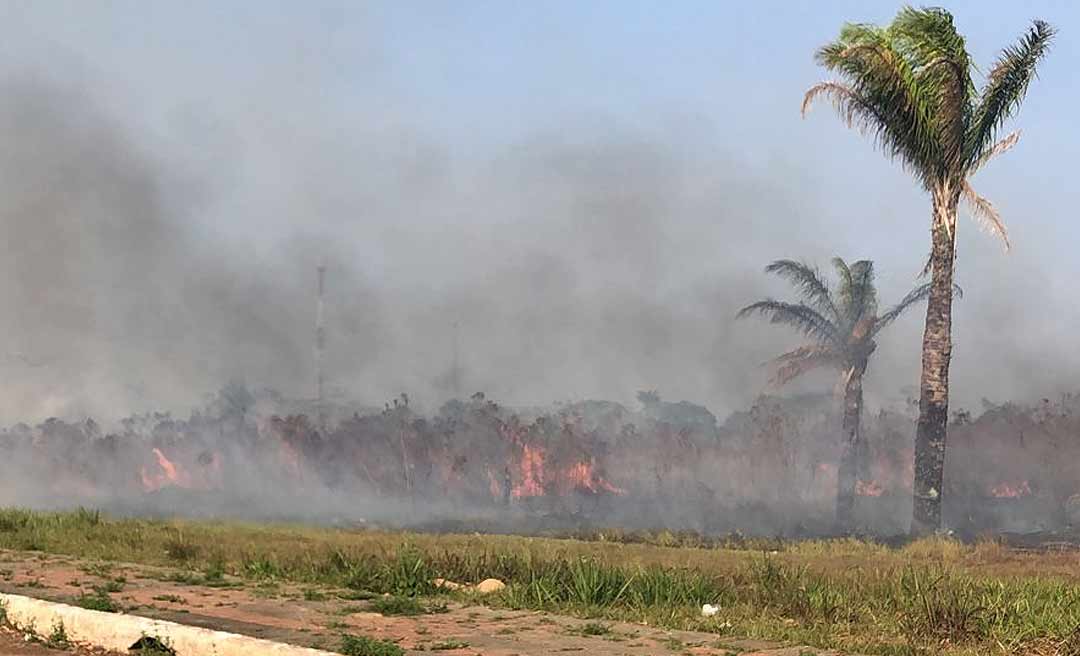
118	632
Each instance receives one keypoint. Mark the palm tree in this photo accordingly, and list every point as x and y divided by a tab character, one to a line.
841	323
909	87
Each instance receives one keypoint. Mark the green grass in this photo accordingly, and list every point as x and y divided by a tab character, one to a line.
311	594
364	646
593	629
58	638
932	596
97	601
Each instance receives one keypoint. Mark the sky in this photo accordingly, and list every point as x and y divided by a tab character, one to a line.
591	190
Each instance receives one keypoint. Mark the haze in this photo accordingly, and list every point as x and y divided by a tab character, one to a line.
590	191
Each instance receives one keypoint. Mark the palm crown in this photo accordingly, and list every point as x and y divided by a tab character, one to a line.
909	86
841	320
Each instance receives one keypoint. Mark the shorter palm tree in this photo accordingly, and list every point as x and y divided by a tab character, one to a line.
841	323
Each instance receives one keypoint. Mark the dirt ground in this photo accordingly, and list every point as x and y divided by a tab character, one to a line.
318	618
13	643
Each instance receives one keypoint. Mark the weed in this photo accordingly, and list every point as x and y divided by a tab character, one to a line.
182	551
364	646
152	646
97	601
311	594
100	570
593	629
171	598
448	645
215	573
58	637
113	585
406	606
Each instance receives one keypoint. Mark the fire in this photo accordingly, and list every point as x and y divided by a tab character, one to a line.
493	485
1007	491
582	476
535	473
169	474
532	473
869	489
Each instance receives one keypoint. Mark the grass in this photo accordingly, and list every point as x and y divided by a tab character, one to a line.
58	637
97	601
593	629
928	597
364	646
448	645
152	646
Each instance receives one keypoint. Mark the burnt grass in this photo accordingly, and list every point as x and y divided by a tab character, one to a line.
927	597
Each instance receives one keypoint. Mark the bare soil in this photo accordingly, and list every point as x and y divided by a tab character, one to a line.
14	643
318	617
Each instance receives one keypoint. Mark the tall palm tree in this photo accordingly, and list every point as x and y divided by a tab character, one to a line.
841	323
909	87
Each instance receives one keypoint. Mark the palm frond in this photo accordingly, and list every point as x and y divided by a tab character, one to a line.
928	39
1006	86
862	294
802	317
844	288
986	214
998	148
920	293
881	96
791	365
808	281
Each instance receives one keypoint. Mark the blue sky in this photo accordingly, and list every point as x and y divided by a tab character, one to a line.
460	137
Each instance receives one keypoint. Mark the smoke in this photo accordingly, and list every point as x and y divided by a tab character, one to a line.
164	223
576	266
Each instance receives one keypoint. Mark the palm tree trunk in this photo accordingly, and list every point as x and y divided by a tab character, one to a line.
934	385
848	474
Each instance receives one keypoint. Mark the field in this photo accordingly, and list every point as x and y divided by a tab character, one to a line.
927	597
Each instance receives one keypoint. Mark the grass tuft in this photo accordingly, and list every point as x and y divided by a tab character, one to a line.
58	637
97	601
364	646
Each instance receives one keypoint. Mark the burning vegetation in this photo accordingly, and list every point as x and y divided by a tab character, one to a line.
665	465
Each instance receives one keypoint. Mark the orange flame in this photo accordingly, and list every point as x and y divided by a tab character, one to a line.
582	476
1007	491
169	474
532	473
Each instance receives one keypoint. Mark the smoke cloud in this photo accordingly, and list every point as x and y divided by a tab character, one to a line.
159	244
